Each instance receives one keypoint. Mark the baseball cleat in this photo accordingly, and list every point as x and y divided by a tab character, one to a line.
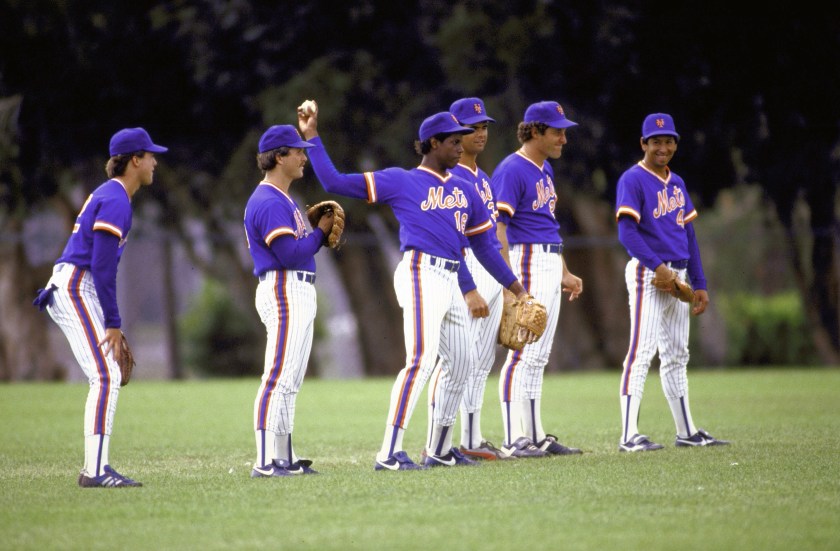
461	459
275	468
639	443
397	462
552	446
108	479
700	438
524	447
301	466
451	459
486	450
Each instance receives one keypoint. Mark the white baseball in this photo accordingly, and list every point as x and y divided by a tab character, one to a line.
309	107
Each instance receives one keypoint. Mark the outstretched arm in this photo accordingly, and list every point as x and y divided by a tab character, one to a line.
349	185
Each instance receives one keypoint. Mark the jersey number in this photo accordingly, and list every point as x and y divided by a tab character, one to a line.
461	221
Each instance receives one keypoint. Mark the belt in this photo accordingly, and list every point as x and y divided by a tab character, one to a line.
677	264
445	263
308	277
553	248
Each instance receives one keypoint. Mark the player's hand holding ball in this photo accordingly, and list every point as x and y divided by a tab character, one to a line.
308	108
308	118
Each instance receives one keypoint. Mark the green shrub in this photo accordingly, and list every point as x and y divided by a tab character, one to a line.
766	330
219	338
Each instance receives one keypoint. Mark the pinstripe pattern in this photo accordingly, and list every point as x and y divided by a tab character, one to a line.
76	310
287	308
521	377
659	323
457	353
635	322
434	321
484	333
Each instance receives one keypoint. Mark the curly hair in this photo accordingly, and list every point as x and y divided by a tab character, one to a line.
523	132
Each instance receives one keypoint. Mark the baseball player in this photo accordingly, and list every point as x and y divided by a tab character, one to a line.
654	214
434	209
523	185
81	295
283	255
471	113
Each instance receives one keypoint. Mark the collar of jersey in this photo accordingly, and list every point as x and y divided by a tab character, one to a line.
667	179
435	174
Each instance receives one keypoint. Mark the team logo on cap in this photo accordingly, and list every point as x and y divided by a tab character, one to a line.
560	109
477	108
660	123
454	119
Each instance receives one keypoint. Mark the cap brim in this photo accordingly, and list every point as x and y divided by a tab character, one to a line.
565	123
157	149
662	133
476	120
301	145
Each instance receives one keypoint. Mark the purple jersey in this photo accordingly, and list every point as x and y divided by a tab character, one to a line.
526	190
270	213
662	208
434	211
107	209
481	183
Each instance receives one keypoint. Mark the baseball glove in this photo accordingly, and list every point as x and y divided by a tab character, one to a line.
316	211
675	286
523	322
126	361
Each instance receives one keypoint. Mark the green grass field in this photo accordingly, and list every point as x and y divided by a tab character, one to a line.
191	444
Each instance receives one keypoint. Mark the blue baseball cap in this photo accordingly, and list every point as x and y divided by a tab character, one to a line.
129	140
282	135
659	124
470	111
548	112
442	123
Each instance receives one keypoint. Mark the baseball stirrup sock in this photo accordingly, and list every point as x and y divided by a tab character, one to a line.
512	420
96	453
284	448
392	443
682	416
533	420
471	430
266	447
629	416
441	440
431	421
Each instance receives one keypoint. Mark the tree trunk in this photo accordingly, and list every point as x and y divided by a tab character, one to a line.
25	353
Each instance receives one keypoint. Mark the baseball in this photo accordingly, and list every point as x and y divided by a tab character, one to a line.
308	107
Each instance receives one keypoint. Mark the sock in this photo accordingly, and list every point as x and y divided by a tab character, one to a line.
284	448
471	430
441	440
96	454
532	421
431	423
629	416
512	421
266	447
392	442
682	416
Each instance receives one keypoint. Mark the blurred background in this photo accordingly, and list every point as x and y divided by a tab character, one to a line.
753	93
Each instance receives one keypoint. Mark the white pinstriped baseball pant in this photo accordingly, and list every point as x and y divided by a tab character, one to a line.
287	306
658	322
434	322
484	333
540	273
77	311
